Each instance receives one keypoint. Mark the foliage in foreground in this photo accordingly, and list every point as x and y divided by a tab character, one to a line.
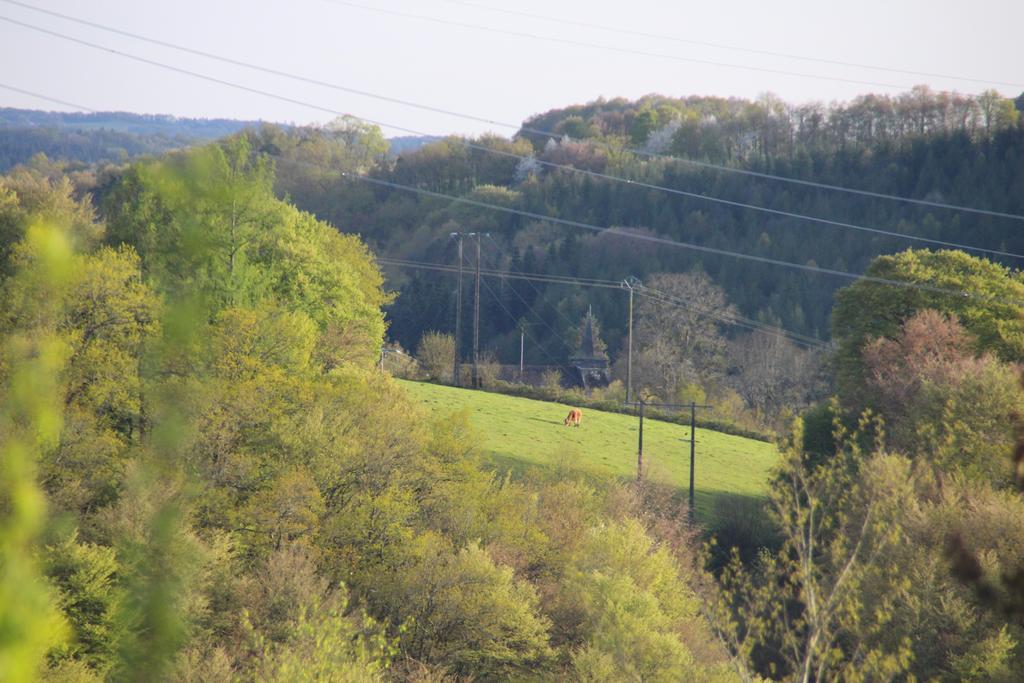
207	479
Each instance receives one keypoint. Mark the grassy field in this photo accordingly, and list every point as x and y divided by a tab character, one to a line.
520	432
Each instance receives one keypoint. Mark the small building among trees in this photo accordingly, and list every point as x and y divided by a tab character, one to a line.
588	367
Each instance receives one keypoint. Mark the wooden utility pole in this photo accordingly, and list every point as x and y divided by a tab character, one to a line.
693	442
458	315
476	316
692	405
640	446
522	339
630	283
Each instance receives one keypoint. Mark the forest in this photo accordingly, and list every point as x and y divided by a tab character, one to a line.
960	150
99	137
206	476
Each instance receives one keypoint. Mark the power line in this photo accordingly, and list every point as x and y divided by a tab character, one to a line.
610	48
724	46
47	98
557	310
551	279
518	127
661	297
529	278
673	243
509	314
542	217
564	167
734	319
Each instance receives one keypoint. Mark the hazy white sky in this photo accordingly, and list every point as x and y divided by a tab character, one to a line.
493	75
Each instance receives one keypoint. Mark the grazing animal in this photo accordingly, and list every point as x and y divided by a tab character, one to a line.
574	417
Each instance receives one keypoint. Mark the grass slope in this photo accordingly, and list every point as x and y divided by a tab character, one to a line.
520	432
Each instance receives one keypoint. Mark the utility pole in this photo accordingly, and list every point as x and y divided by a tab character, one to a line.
640	446
476	316
458	315
630	283
692	405
522	338
693	430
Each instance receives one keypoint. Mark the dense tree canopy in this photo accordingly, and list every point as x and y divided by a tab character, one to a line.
206	477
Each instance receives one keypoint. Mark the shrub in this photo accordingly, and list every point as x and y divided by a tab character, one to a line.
488	370
402	365
436	353
742	523
551	380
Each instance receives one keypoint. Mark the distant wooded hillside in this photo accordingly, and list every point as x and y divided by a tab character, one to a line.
117	136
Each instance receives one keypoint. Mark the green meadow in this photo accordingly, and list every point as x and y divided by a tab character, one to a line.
518	433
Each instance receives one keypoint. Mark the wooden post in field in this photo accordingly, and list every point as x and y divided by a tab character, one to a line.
693	430
458	316
640	446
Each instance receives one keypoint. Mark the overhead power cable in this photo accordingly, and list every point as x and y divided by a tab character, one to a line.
679	244
47	98
606	47
733	319
592	282
725	46
529	336
549	278
655	295
587	226
501	252
547	134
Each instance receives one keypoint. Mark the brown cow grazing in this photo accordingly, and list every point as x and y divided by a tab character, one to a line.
574	417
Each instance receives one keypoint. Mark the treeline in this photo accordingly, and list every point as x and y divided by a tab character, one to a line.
81	138
734	130
942	164
22	145
123	122
947	158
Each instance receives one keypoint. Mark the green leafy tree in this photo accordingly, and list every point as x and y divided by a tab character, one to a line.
33	356
811	608
468	613
436	353
632	607
85	575
325	643
987	298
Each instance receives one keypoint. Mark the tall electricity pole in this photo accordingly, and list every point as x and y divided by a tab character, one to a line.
522	340
640	445
458	315
693	431
476	316
630	283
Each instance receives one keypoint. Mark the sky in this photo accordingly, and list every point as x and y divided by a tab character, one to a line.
438	53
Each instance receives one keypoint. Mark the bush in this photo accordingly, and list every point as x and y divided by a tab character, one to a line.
551	380
818	428
488	370
741	522
401	364
436	353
